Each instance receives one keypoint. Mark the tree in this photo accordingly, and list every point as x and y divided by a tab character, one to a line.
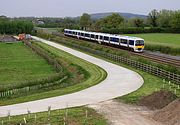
175	21
85	21
112	21
138	22
164	18
153	16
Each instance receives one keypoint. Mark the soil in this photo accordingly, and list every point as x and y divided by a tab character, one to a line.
157	100
6	38
118	113
170	114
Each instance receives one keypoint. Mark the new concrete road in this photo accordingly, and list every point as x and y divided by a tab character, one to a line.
120	81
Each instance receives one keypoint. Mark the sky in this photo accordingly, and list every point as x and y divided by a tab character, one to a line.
73	8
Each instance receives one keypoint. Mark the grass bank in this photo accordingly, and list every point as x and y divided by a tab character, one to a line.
72	116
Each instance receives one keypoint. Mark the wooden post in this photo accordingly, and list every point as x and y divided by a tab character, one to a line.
9	115
35	117
169	82
29	112
86	114
64	119
2	122
24	120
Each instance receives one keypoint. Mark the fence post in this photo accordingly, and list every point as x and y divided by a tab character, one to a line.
9	115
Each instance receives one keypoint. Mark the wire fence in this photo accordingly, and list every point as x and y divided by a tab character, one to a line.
58	117
168	76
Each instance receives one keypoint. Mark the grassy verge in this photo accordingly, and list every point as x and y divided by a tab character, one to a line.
75	116
164	42
151	84
96	75
20	64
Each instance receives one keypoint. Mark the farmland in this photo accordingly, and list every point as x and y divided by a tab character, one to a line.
20	64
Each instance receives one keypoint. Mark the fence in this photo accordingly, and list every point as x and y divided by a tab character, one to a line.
27	89
59	117
138	65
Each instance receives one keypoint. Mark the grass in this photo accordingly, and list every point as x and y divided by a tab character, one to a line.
75	116
96	73
20	64
163	39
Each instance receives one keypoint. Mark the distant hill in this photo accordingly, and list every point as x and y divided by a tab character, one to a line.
125	15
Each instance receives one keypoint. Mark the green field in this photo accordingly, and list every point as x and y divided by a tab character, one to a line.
20	64
164	39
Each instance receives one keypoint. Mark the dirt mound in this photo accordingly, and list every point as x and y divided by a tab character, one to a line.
157	100
170	114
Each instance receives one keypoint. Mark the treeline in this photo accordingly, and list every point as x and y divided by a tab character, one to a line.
164	21
156	21
15	27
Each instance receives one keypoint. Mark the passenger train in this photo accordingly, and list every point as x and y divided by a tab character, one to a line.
133	43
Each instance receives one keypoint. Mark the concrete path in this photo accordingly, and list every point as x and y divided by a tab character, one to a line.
120	81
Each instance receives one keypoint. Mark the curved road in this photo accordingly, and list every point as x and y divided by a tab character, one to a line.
120	81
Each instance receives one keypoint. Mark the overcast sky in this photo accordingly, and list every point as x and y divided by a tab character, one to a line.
64	8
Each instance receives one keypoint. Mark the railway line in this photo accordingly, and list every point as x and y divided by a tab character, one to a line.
151	56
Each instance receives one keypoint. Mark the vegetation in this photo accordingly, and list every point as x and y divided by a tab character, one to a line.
72	116
85	21
95	75
112	21
15	27
153	16
19	64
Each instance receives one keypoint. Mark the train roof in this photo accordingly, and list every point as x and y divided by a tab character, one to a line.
109	35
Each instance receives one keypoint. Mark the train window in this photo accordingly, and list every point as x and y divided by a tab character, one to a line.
106	38
113	39
101	37
139	42
87	35
96	36
70	32
131	42
73	32
124	41
92	35
78	33
82	34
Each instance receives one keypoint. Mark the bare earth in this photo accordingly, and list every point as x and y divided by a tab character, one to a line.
118	113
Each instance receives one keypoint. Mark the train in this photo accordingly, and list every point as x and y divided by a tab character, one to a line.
131	43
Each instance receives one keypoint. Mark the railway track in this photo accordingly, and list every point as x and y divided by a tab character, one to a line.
150	56
160	59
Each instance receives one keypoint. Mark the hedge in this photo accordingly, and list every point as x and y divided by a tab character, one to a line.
137	30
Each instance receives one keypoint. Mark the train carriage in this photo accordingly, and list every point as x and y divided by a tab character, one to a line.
133	43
